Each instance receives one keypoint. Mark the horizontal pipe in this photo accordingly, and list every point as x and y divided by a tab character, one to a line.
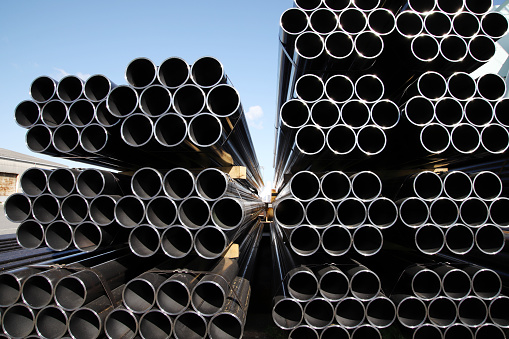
210	242
102	209
448	111
341	139
494	25
385	114
491	86
425	47
161	212
367	240
497	211
137	130
382	212
364	283
366	331
309	88
207	72
352	20
318	313
409	24
489	331
435	138
465	138
371	139
174	294
437	23
81	113
479	112
304	240
74	209
458	330
58	235
155	100
339	46
419	111
51	322
144	241
140	73
325	114
335	331
368	45
97	87
381	312
54	113
413	211
189	100
495	139
129	211
155	323
34	181
194	212
62	182
190	324
178	183
350	312
103	116
173	72
450	7
89	237
456	283
30	234
472	311
339	88
453	48
121	323
43	89
461	86
289	212
70	88
18	321
139	294
457	185
176	241
427	331
486	283
366	185
27	113
474	212
465	24
93	182
66	139
323	21
382	21
459	239
490	239
302	284
499	110
352	212
481	48
320	212
146	183
498	311
46	208
335	186
369	88
355	113
287	313
442	312
487	185
429	239
427	185
122	101
170	130
411	311
333	284
204	130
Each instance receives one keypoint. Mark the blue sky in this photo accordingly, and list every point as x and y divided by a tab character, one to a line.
60	37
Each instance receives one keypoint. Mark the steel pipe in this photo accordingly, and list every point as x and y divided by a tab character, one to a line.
129	211
465	138
27	113
173	72
97	87
413	211
385	114
456	283
364	283
174	294
144	240
318	313
102	209
341	139
146	183
382	212
366	331
70	88
489	331
137	130
51	322
334	332
427	331
140	73
210	242
367	240
368	45
457	185
449	111
381	21
43	89
466	24
320	212
486	283
339	46
498	311
453	48
189	100
450	7
45	208
103	116
352	20
302	284
429	239
494	25
170	130
37	290
155	324
58	235
435	138
34	181
161	212
178	183
325	114
155	100
121	323
309	88
472	311
491	86
191	325
477	7
74	209
289	212
30	234
335	186
425	48
427	185
339	88
474	212
437	23
207	72
139	294
177	241
62	182
366	5
122	101
495	138
18	321
487	185
333	284
381	312
499	112
459	239
194	212
479	112
481	49
352	212
409	23
304	240
350	312
89	237
54	113
323	21
93	182
411	312
371	139
458	330
419	111
369	88
461	86
303	331
81	113
490	239
66	139
366	185
498	207
442	312
287	313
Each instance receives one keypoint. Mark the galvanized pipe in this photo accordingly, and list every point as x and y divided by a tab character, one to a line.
173	72
70	88
144	241
97	87
43	89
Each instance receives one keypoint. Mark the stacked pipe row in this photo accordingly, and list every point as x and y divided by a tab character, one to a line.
445	301
171	115
452	211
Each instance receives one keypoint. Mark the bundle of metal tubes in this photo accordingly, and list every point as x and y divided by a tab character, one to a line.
167	116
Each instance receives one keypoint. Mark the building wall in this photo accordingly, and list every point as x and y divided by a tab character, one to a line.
8	183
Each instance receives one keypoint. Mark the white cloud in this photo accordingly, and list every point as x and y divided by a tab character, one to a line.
254	116
62	73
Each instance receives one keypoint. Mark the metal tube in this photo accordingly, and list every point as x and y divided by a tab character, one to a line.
368	45
129	211
477	7
170	130
487	185
437	24
333	284
336	5
381	21
425	48
178	183
174	294
352	212
139	294
30	234
432	85
371	139
465	138
189	100
18	321
318	313
58	235
323	21
352	20
194	212
70	88
54	113
176	241
102	209
435	138
121	323
66	139
339	88
303	331
51	322
491	86
456	283
229	213
336	240
427	185
474	212
334	332
146	183
94	182
339	46
489	331
27	113
366	5
427	331
173	72
481	48
103	116
458	330
450	7
140	73
479	112
320	212
122	101
466	24
161	212
38	289
204	130
137	130
155	324
62	182
411	312
155	100
335	186
495	138
380	312
211	184
413	211
490	239
382	212
499	112
498	311
287	313
289	212
304	186
498	208
350	312
302	284
459	239
207	72
144	241
486	283
409	23
419	111
309	88
341	139
74	209
46	208
34	181
369	88
325	114
366	185
190	324
366	331
442	312
210	242
453	48
449	111
89	237
457	185
494	25
304	240
461	86
364	283
367	240
81	113
385	114
43	89
429	239
472	311
97	87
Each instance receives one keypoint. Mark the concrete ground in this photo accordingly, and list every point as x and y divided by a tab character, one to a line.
6	226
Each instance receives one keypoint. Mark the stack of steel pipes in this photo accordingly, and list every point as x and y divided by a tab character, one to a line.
173	134
389	87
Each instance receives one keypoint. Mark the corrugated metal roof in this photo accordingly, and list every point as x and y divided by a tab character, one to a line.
9	155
